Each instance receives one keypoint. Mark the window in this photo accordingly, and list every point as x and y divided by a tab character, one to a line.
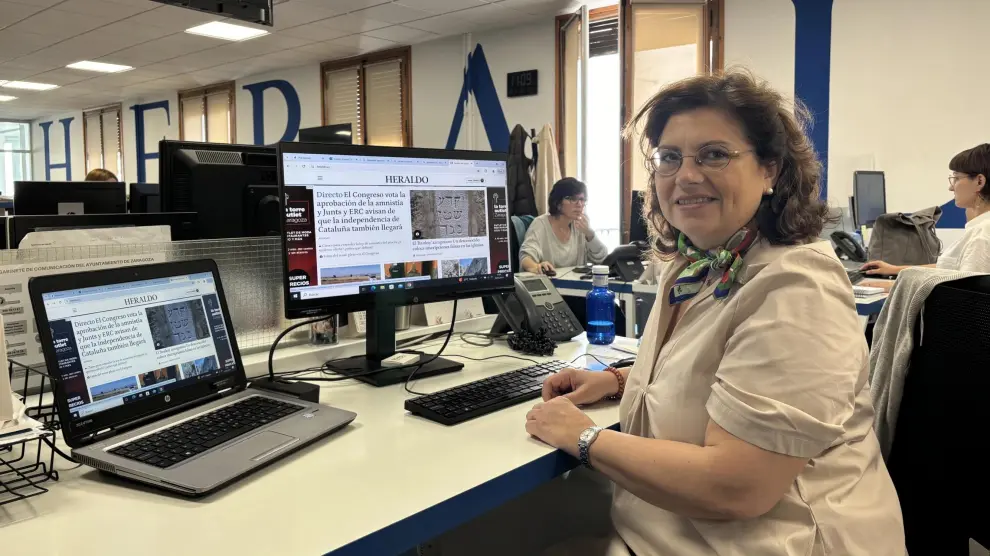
15	155
371	93
101	140
208	114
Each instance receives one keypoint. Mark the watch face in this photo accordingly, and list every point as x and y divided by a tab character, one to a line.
586	435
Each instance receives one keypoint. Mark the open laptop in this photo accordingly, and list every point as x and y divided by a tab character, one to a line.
149	382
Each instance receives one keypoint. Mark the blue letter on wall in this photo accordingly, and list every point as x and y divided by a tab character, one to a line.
68	150
142	156
812	64
293	109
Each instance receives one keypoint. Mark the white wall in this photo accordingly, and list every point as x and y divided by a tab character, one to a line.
759	35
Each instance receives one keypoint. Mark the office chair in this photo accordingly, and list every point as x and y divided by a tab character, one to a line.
942	425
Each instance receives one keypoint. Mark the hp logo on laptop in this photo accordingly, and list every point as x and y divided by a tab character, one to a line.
168	398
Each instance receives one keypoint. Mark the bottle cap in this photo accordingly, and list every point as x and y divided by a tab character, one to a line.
599	269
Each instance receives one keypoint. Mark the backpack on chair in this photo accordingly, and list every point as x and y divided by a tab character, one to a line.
906	239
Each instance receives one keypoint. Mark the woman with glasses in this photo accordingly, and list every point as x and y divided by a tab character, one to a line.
564	236
746	422
968	184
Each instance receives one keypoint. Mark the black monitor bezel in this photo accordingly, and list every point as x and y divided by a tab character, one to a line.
397	298
116	189
883	187
80	434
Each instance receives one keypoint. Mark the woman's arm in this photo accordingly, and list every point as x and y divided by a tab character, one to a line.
726	478
528	264
596	250
532	248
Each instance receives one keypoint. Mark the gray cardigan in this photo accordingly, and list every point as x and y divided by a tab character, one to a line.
542	245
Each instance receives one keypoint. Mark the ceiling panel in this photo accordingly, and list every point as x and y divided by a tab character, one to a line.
11	12
104	9
40	3
342	6
440	6
58	24
62	76
393	13
291	14
16	43
323	51
446	24
402	34
9	72
131	31
353	23
314	32
540	7
492	15
161	49
172	18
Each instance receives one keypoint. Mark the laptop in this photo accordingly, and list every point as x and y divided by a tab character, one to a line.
149	383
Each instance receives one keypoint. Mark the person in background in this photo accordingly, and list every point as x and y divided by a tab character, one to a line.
968	183
100	174
564	236
746	427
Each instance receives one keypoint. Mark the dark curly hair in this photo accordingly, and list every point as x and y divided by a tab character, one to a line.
974	162
793	214
565	187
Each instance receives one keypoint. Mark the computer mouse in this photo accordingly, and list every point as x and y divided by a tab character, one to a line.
627	362
550	272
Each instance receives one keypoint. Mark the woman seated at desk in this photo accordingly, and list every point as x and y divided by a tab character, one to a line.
746	421
564	237
968	184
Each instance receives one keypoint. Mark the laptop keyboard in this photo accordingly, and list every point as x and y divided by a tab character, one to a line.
176	444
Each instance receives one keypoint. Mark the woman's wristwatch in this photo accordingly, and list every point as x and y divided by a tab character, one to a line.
587	438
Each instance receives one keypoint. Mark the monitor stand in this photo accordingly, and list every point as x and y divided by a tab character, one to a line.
380	344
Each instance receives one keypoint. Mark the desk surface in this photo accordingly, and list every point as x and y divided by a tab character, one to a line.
382	485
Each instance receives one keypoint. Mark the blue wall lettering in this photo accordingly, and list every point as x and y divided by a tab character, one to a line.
66	122
478	82
292	106
812	64
139	148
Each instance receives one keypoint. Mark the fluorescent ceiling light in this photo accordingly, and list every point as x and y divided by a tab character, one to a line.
99	66
226	31
27	85
5	98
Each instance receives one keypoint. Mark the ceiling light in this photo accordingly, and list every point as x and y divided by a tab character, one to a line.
27	85
226	31
5	98
99	66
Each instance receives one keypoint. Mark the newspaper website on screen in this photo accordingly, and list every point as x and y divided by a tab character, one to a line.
121	343
357	224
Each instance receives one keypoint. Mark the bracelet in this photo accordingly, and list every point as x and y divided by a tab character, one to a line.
622	383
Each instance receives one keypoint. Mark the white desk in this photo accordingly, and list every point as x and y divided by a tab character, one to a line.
384	484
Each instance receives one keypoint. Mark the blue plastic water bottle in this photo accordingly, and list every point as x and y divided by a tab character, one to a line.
601	308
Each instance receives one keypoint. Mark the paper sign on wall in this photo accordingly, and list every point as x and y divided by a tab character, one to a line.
20	330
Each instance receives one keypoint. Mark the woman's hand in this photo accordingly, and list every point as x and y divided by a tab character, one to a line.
880	268
546	267
579	386
583	225
559	423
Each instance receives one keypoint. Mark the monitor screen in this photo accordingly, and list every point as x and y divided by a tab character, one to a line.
124	343
869	197
364	225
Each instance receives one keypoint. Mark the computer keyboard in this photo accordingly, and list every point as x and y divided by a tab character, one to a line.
855	276
481	397
176	444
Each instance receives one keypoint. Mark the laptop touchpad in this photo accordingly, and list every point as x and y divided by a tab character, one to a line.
259	446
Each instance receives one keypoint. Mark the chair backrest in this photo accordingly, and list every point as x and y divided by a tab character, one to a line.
517	234
943	421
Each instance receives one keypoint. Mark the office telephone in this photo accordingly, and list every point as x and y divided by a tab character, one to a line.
626	261
536	304
846	244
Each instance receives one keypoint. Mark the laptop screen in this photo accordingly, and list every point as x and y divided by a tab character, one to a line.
122	343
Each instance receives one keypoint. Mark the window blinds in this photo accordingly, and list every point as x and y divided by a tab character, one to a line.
342	100
208	114
94	141
102	130
218	118
192	119
383	93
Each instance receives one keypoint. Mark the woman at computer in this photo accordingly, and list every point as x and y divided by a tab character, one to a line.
746	423
968	184
563	237
100	174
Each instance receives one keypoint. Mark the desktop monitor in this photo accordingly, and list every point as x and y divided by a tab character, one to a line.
233	188
337	134
144	197
869	197
372	228
69	197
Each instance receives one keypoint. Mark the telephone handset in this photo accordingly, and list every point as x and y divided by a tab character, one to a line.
536	304
846	244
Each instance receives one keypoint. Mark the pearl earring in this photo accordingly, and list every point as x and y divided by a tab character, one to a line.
769	191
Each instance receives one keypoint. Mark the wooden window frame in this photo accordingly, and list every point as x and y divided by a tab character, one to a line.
404	55
714	51
100	110
228	87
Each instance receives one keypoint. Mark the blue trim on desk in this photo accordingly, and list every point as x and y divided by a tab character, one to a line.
867	309
462	508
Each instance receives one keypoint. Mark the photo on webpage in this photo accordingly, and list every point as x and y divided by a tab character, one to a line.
447	213
177	323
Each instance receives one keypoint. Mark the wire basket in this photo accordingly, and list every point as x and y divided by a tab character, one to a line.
26	466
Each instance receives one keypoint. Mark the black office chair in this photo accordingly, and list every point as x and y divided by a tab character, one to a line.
943	423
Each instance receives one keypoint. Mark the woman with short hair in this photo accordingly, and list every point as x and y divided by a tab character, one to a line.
563	237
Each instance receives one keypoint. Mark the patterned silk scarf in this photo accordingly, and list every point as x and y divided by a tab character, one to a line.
728	260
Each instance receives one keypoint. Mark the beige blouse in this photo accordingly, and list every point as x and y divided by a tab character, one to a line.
782	364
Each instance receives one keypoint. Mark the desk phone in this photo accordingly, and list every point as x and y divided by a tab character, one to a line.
536	304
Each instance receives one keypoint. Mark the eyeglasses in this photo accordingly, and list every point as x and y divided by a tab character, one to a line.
953	180
666	162
581	200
